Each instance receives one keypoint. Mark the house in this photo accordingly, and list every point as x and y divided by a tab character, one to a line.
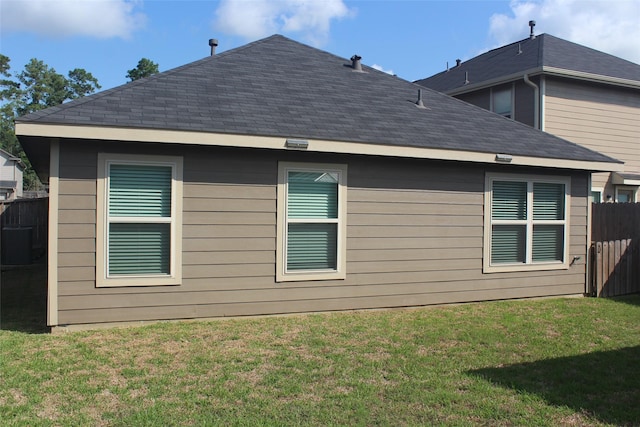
278	178
577	93
11	170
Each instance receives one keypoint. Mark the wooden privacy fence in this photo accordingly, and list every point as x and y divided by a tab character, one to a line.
615	249
24	214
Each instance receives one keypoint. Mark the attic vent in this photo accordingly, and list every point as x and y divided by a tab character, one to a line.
213	43
355	63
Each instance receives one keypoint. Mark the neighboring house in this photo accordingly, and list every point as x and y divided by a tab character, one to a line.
577	93
11	171
278	178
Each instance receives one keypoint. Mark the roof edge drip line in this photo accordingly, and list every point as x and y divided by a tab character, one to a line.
279	143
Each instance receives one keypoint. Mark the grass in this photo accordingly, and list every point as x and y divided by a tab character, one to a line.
544	362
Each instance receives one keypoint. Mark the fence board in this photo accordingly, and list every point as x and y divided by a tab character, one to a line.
615	267
615	249
32	213
615	221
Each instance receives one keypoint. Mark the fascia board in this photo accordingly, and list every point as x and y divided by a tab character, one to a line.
279	143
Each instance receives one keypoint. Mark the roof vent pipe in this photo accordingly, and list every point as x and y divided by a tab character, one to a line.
355	63
519	48
458	62
213	43
466	77
419	102
531	25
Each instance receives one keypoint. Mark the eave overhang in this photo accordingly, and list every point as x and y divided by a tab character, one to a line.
626	179
58	131
546	71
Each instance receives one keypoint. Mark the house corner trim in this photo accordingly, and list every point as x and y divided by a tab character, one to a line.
52	245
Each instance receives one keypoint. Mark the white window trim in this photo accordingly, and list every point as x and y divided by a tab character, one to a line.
634	192
175	276
529	264
281	250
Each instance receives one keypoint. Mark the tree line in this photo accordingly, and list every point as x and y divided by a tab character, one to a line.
39	86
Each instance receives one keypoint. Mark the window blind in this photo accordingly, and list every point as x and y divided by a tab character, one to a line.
138	243
312	236
508	243
312	195
548	242
312	246
139	248
509	200
548	201
143	191
522	233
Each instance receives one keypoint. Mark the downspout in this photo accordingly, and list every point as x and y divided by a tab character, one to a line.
536	101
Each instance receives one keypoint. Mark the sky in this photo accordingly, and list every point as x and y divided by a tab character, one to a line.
412	39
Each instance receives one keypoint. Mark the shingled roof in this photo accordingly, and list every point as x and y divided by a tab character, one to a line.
276	87
534	56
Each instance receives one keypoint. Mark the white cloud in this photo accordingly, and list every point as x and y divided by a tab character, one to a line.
610	26
61	18
253	19
379	68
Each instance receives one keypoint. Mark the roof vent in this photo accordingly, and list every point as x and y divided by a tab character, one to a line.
466	77
519	49
531	25
458	62
419	102
355	63
213	43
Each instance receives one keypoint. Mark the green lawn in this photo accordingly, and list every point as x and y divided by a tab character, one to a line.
543	362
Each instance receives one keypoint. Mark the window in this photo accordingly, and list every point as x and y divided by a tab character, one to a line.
526	223
311	222
596	195
501	102
625	194
139	220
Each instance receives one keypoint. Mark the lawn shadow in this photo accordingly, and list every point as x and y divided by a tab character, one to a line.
603	385
23	298
633	299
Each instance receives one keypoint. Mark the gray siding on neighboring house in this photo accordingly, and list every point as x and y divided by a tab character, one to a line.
602	118
414	237
524	100
479	98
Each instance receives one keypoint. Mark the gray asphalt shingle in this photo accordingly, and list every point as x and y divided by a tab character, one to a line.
279	87
543	51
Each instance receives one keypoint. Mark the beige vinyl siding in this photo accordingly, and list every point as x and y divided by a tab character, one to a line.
604	119
414	237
